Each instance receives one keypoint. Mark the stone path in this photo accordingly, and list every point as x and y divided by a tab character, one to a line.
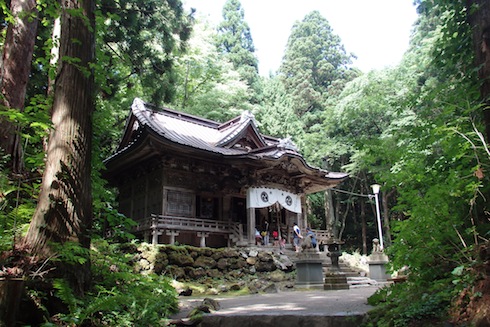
313	308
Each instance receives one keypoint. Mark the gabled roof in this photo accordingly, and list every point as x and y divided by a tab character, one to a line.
237	138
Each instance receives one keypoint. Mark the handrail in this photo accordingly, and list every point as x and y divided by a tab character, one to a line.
188	223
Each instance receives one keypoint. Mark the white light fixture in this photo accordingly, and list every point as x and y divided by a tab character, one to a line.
376	188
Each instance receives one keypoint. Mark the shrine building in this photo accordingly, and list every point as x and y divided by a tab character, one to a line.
199	182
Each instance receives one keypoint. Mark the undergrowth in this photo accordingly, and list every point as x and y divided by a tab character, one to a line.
119	296
415	302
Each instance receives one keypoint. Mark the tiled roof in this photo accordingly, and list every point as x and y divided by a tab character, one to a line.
180	130
192	131
213	137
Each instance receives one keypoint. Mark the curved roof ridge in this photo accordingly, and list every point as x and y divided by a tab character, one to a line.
247	119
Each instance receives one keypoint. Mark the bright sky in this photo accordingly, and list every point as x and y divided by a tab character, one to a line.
376	31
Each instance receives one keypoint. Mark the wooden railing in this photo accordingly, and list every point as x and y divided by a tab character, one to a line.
161	222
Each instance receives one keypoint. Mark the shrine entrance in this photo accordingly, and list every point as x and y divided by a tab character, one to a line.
270	209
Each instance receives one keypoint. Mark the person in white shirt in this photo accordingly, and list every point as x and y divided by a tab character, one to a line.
296	237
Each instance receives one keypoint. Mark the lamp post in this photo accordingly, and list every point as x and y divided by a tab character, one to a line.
376	188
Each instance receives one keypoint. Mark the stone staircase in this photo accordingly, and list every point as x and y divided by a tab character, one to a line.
355	277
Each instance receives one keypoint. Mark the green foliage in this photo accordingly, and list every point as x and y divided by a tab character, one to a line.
71	253
276	115
16	205
408	304
107	222
119	297
235	41
436	166
140	40
316	215
313	61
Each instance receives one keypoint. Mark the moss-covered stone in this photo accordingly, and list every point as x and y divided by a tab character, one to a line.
223	264
251	260
205	262
161	262
236	274
233	262
230	253
214	273
195	273
175	272
277	276
180	258
265	256
262	266
213	267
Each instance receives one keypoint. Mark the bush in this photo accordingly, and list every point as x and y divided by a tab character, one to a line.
119	297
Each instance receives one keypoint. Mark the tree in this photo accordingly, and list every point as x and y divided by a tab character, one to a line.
235	41
207	84
64	210
16	67
479	20
139	41
313	61
437	167
276	114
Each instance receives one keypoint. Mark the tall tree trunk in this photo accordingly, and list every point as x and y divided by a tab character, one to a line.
364	228
16	67
330	223
64	210
479	21
386	218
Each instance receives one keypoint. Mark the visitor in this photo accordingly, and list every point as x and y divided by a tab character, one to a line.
282	245
258	237
275	237
296	237
265	233
312	236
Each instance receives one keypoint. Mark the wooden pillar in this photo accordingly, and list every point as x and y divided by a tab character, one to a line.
154	230
301	222
251	225
155	234
203	236
304	211
172	234
226	207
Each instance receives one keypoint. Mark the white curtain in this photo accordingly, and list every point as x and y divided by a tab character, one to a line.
261	197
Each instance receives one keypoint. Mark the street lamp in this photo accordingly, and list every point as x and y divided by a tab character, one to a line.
376	188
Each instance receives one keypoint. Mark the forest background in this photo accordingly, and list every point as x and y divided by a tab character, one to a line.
419	129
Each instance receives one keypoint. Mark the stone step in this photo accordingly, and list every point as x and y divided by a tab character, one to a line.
361	282
346	273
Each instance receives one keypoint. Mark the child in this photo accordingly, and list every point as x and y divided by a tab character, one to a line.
258	237
275	236
282	245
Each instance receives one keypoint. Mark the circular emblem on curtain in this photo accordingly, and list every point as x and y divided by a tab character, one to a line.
264	196
289	201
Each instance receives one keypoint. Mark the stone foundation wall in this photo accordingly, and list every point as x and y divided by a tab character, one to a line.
190	264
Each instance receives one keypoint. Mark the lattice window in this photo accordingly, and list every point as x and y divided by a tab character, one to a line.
180	203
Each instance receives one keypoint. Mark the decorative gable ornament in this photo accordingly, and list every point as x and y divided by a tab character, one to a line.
246	116
287	144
